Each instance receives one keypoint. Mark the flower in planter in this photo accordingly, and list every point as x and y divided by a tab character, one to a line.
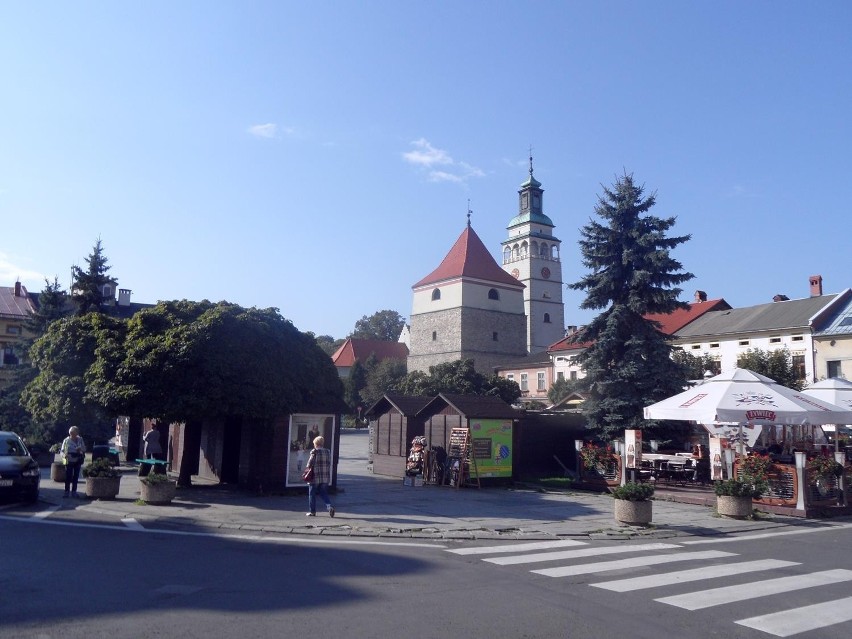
594	456
824	466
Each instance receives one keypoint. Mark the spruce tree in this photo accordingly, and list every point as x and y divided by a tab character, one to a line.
52	305
628	363
88	288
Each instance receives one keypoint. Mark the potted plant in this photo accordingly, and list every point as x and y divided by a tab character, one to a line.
157	488
57	468
734	497
102	479
633	505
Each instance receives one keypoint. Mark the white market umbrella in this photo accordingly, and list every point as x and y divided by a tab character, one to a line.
834	390
744	397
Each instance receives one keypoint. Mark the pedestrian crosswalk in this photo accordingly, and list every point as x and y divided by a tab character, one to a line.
571	558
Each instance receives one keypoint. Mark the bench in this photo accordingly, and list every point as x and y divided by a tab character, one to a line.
146	466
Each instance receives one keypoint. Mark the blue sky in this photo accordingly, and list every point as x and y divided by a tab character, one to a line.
318	157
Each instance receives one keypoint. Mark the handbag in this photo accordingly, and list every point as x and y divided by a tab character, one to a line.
308	475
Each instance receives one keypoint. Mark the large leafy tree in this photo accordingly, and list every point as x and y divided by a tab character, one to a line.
384	377
382	325
631	273
66	357
461	377
775	364
88	287
189	361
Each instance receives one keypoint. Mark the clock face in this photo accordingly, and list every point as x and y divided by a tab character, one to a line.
516	273
545	273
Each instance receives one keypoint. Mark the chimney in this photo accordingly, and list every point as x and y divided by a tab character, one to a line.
570	330
816	285
124	297
18	288
780	298
700	296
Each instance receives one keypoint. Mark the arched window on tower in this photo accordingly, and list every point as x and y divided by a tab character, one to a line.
436	294
534	249
524	248
516	252
493	294
507	254
547	318
545	250
555	252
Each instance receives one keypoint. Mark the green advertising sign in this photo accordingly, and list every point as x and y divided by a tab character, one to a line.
491	441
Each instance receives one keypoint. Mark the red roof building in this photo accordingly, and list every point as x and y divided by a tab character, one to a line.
353	350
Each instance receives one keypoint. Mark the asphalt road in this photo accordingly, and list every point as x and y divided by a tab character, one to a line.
65	579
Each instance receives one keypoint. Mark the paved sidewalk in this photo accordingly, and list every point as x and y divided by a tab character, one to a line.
371	506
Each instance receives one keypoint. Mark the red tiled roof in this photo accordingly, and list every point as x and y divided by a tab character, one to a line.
361	349
672	322
469	258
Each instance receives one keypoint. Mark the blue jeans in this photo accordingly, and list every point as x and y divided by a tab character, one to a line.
313	489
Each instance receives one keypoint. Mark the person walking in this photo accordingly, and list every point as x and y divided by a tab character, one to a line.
153	449
73	453
320	461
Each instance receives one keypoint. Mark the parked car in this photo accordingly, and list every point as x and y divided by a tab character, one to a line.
19	472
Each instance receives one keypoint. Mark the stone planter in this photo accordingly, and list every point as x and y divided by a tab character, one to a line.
633	513
734	507
57	472
158	493
102	487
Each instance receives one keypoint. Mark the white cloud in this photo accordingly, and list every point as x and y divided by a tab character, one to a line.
268	130
426	156
11	273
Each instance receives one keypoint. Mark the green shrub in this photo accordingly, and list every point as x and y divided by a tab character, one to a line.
633	492
100	468
738	488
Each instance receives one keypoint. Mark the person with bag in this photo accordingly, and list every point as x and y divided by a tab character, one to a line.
73	451
318	476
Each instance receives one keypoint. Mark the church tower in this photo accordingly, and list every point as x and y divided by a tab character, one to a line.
531	255
467	308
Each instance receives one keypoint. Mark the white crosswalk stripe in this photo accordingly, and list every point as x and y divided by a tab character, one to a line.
536	545
575	554
791	622
693	574
743	592
633	562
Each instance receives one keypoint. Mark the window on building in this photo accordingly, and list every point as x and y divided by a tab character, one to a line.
494	336
573	375
11	329
716	366
540	385
436	294
798	338
774	340
547	318
799	366
493	294
834	368
714	344
560	375
434	335
545	251
696	347
743	342
9	357
525	386
510	377
507	254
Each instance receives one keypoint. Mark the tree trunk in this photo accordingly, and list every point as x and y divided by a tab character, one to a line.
190	452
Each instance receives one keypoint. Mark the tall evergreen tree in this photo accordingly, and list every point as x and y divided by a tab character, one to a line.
88	288
628	363
52	305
